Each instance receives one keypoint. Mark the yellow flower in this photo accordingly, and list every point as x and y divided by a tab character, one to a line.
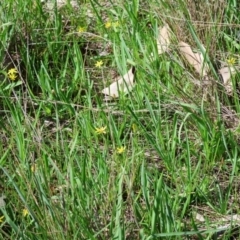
231	61
101	130
108	24
25	212
121	150
1	219
81	29
12	71
99	64
12	77
12	74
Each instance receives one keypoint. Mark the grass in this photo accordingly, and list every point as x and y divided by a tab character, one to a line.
165	164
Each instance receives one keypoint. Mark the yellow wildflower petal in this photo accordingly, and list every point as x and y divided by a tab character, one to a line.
231	61
121	150
101	130
81	29
25	212
12	77
12	74
99	64
12	71
108	24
